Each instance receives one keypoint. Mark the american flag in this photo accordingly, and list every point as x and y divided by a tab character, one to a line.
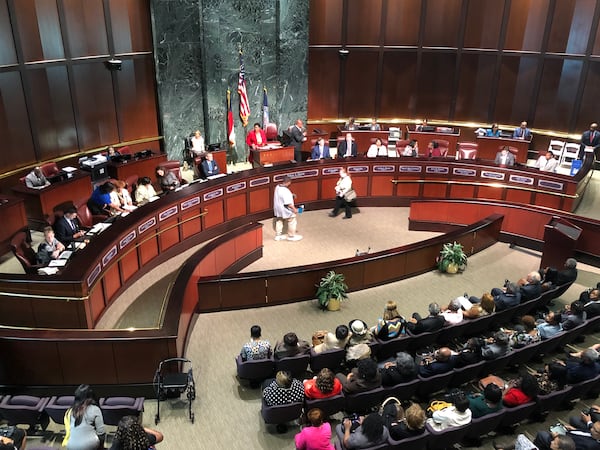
230	129
244	105
265	109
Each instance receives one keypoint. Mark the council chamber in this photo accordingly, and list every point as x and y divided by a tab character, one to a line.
78	77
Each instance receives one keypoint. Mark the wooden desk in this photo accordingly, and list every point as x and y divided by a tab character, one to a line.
12	210
363	138
423	138
262	156
490	146
142	167
40	203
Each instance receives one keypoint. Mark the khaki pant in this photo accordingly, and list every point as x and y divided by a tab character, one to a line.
291	225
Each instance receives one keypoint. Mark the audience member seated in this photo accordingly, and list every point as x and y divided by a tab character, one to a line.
556	442
572	315
578	354
470	353
166	179
85	430
441	362
554	277
453	313
531	286
290	346
524	333
521	390
371	432
100	203
355	353
549	326
496	347
433	322
505	158
363	377
574	439
485	307
256	348
256	137
391	325
377	149
456	415
317	435
574	371
487	402
591	305
506	297
283	390
323	385
36	179
67	227
16	441
402	370
334	341
50	248
547	162
433	149
586	419
404	424
131	435
123	196
320	150
360	333
411	149
144	191
209	166
589	294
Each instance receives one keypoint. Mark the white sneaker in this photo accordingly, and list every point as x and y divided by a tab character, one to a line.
296	237
281	237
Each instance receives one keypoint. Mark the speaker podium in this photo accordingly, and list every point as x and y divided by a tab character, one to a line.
560	239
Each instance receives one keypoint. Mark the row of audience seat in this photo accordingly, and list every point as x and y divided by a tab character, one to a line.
32	411
257	370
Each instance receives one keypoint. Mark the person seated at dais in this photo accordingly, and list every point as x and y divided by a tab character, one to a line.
320	150
144	191
209	166
377	149
256	137
494	131
67	227
433	149
505	157
101	202
166	179
50	248
347	147
36	179
112	153
374	125
411	149
351	125
522	132
547	162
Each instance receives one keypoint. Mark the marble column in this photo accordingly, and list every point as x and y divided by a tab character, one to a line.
196	45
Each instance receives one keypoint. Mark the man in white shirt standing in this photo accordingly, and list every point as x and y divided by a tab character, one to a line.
285	211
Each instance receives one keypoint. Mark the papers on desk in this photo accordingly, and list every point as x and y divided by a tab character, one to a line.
219	175
153	199
57	263
69	169
65	255
47	270
99	228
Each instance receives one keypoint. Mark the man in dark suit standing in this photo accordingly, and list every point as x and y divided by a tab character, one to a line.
347	147
67	228
589	138
433	322
298	136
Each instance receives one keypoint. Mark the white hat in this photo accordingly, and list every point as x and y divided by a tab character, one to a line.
358	327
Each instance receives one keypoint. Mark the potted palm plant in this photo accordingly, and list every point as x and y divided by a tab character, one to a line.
331	290
452	258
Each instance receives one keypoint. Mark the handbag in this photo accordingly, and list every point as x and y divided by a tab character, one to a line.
350	195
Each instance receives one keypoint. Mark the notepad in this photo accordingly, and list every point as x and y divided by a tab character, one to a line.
66	254
57	263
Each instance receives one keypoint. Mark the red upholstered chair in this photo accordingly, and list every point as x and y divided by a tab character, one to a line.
49	169
401	145
271	132
467	150
513	150
20	244
444	130
173	166
383	141
442	148
85	216
131	181
125	150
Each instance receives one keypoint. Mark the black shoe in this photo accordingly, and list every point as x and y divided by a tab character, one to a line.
332	214
346	217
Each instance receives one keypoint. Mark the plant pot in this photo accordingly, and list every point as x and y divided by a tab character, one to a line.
333	305
452	268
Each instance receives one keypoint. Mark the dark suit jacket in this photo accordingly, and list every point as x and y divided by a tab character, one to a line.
297	138
578	372
357	384
504	300
530	291
584	442
342	149
205	170
63	231
436	368
428	324
586	138
510	160
592	310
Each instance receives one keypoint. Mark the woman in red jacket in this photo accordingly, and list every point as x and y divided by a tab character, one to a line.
522	390
324	385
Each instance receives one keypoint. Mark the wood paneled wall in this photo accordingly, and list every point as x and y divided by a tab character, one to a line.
57	95
457	60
